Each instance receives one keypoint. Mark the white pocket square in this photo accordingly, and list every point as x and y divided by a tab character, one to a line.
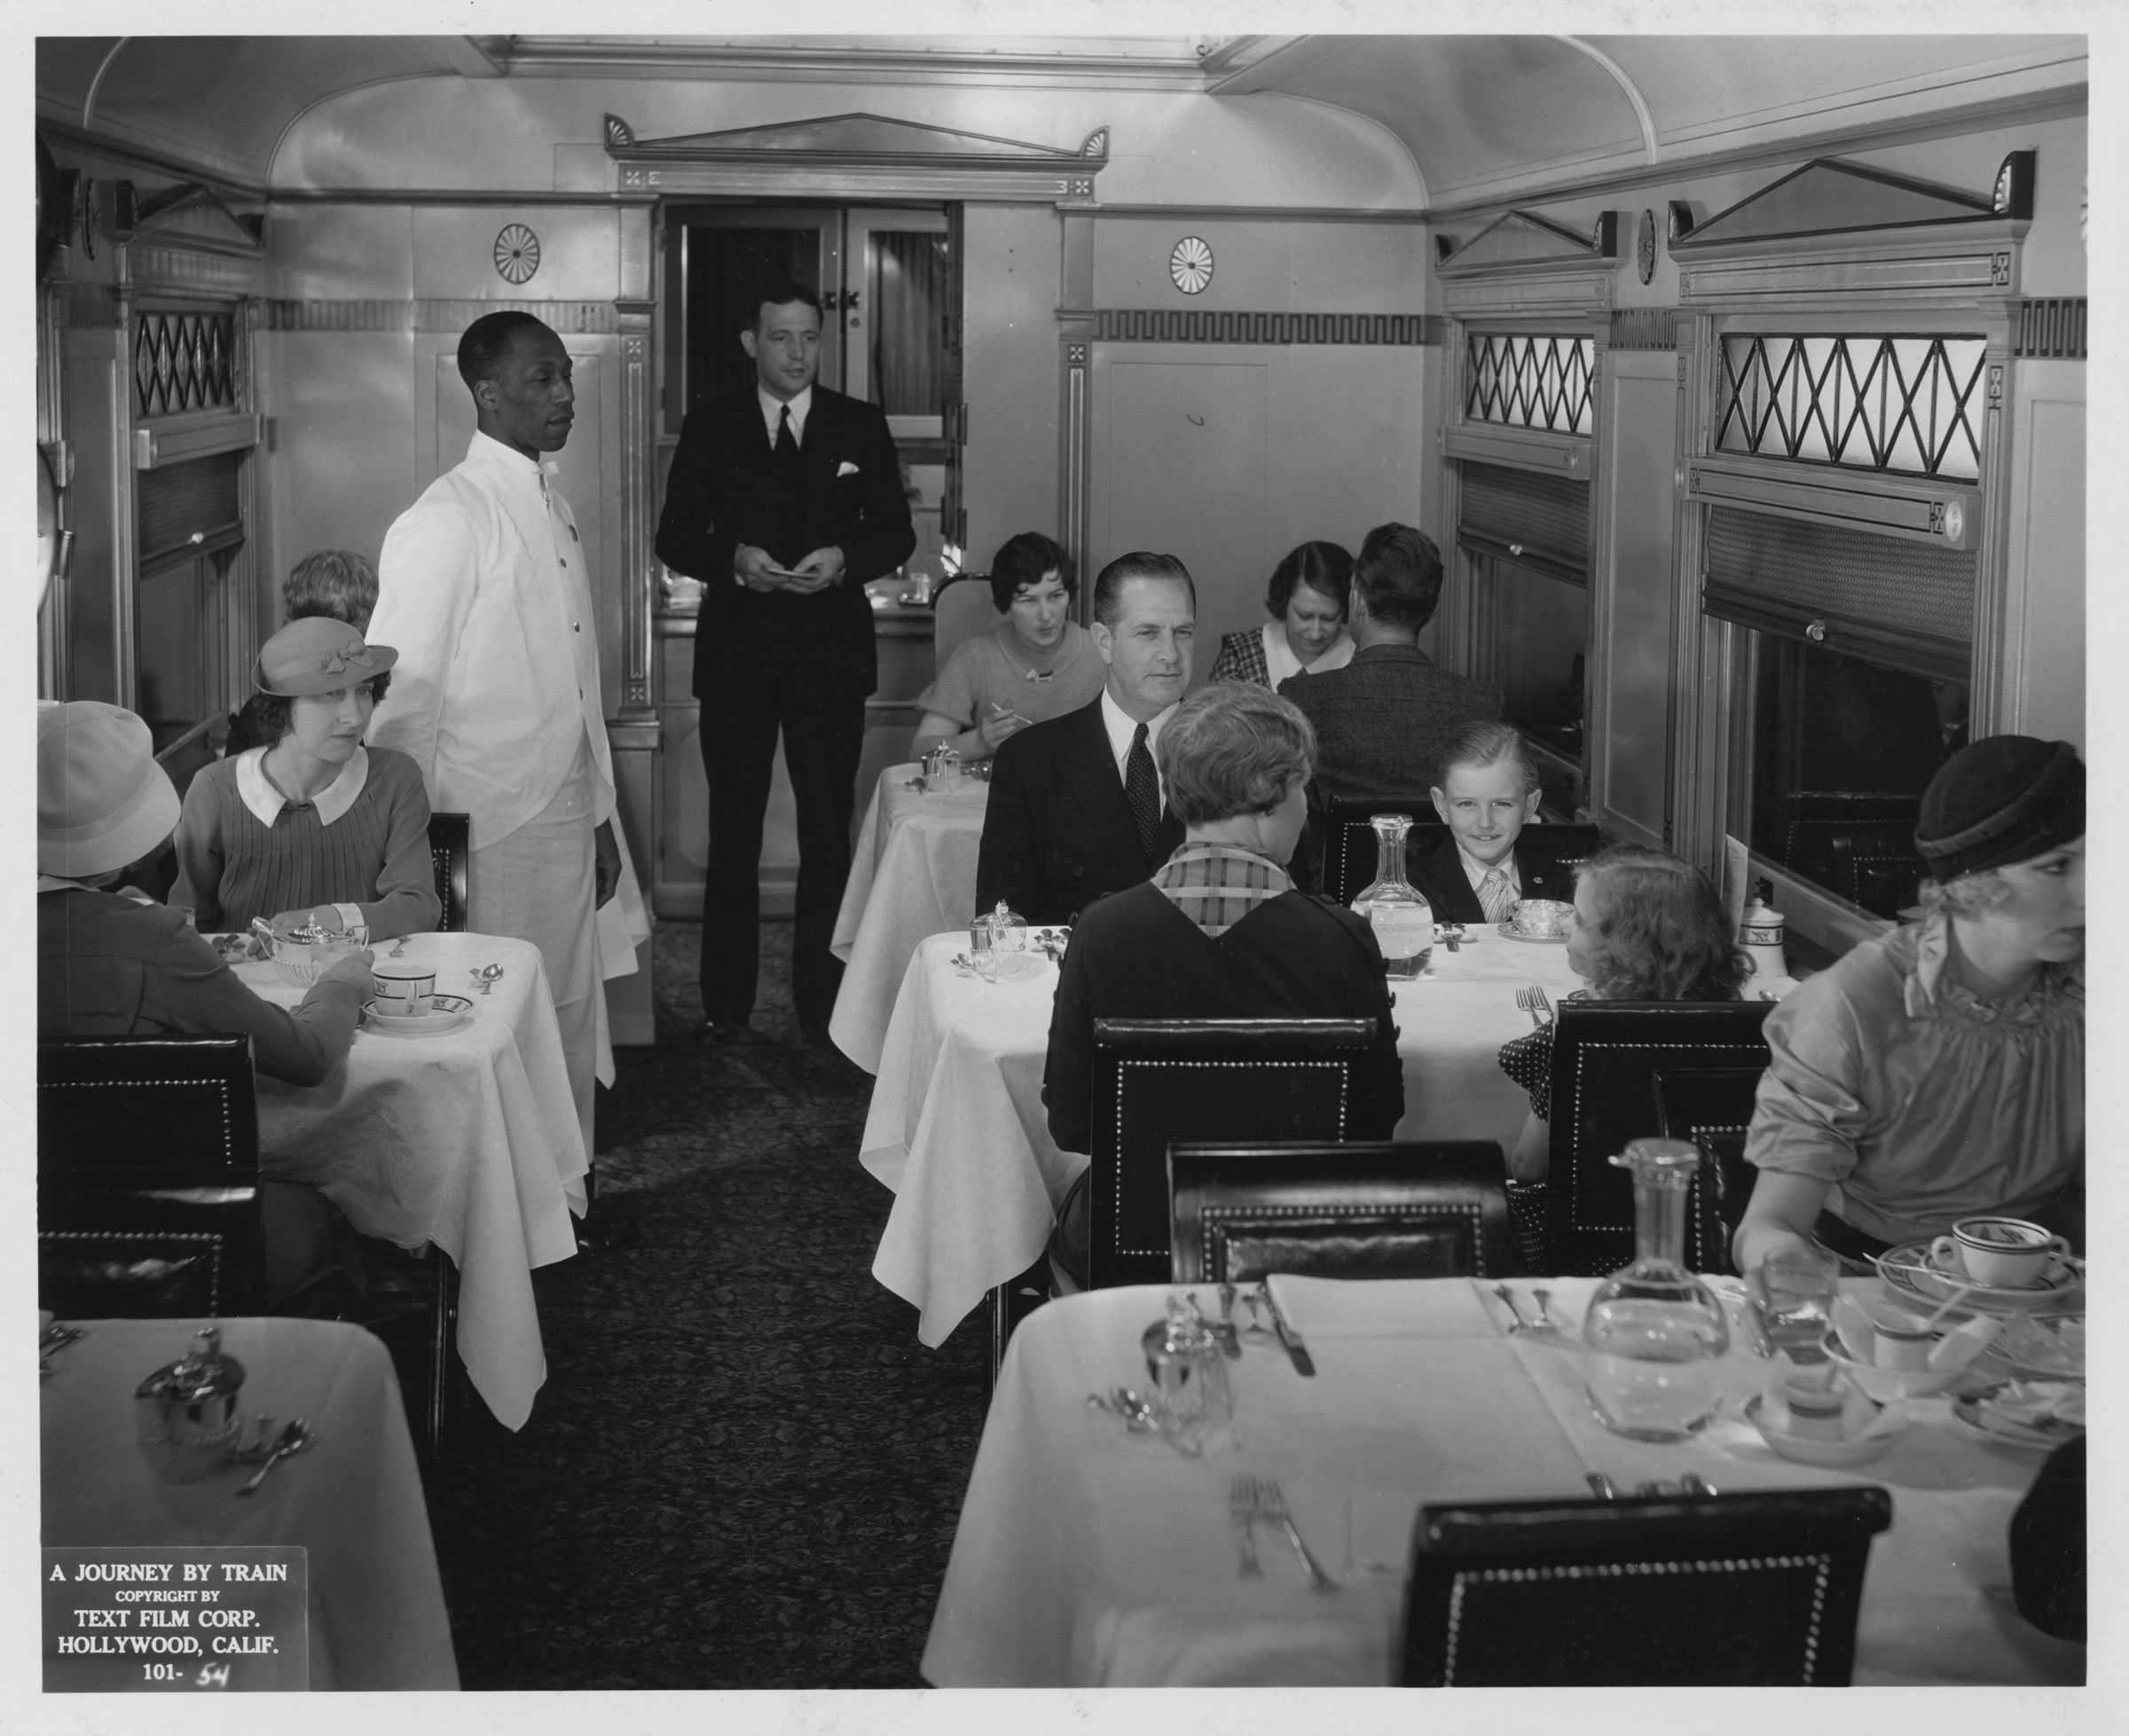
846	469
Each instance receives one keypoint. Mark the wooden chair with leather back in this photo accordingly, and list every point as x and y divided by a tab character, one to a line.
148	1178
1159	1080
1605	1054
450	852
1369	1209
1712	1107
1752	1589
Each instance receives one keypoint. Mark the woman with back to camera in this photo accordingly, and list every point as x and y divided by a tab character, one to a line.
1220	931
1937	1071
1646	927
1307	633
1037	664
312	828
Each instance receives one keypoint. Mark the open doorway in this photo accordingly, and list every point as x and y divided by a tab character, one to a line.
889	279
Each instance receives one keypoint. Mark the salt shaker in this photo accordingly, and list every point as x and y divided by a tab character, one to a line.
1193	1401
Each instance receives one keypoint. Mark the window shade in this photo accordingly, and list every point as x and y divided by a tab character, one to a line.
1508	511
187	507
1885	599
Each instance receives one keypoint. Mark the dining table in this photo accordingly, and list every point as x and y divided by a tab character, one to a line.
352	1499
912	874
466	1138
957	1129
1087	1555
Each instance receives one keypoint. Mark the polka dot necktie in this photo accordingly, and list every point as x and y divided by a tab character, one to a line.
1142	791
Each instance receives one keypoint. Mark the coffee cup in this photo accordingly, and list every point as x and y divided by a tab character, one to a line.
401	987
2006	1254
1542	918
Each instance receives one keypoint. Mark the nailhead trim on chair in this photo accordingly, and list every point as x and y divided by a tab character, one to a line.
1126	1066
1821	1563
1214	1215
214	1242
218	1087
1682	1049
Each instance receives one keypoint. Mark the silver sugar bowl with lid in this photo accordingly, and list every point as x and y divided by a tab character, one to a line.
188	1412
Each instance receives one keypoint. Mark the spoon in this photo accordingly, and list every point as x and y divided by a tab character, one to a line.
1508	1297
294	1439
486	976
1546	1322
399	951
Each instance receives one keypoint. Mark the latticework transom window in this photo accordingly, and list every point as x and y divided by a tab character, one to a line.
184	361
1530	380
1911	404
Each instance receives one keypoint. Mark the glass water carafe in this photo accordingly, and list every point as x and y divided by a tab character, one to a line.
1654	1334
1398	911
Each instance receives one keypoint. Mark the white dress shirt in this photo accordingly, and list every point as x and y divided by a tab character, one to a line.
772	408
1476	871
482	589
1121	728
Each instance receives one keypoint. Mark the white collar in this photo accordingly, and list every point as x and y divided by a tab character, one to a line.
773	406
265	802
1475	871
1122	727
487	451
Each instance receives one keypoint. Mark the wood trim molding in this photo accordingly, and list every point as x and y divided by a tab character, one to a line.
1526	243
433	314
1076	355
855	156
2049	328
1645	328
639	584
1215	326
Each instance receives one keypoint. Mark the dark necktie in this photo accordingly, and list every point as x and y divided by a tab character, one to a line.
1141	791
787	444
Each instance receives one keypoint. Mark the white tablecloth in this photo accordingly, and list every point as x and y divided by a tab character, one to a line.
468	1139
912	874
957	1129
1089	1557
353	1499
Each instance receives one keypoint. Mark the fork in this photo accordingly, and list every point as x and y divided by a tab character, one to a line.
1270	1501
1242	1513
1529	1000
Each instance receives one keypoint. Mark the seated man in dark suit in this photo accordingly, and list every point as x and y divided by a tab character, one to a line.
1382	721
1485	791
1077	806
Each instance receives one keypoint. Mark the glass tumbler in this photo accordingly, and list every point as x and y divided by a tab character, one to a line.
1792	1292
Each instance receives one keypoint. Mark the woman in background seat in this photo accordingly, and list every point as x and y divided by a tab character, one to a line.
336	583
1307	633
1036	664
1938	1073
312	827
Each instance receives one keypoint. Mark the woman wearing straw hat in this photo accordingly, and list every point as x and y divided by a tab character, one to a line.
313	827
1938	1071
113	965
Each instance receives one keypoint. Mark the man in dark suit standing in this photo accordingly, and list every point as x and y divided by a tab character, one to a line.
1382	721
1486	792
783	500
1076	806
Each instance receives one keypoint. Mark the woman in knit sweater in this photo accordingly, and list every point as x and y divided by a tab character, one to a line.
313	827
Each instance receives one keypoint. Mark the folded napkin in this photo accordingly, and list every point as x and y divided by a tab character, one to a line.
1330	1308
1248	1634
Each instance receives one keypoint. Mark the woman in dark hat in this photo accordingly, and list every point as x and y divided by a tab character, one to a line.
313	827
1938	1073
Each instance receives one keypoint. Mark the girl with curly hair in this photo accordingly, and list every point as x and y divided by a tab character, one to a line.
1647	927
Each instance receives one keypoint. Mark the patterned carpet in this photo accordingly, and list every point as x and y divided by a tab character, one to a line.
743	1470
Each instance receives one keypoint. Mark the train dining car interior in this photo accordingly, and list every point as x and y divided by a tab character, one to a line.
684	1291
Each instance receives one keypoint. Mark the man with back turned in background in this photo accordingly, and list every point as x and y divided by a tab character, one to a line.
784	499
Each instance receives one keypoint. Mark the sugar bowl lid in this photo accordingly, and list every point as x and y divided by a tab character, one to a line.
201	1374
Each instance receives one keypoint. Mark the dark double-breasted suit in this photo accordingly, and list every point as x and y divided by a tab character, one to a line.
1059	832
1440	876
770	661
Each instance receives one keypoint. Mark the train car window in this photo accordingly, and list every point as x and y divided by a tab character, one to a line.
1910	406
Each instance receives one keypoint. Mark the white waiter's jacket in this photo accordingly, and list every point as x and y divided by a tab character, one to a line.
484	592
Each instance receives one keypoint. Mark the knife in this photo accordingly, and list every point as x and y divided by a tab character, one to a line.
1297	1352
